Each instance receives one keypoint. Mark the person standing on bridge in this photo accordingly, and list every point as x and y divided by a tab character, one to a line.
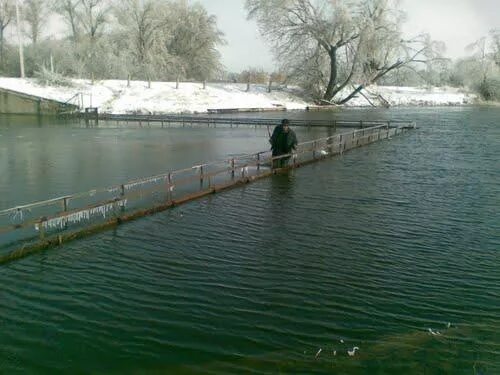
283	141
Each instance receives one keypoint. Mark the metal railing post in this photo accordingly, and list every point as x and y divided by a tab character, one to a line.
65	209
169	178
41	228
122	196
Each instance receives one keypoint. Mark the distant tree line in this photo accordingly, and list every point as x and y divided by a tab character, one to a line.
331	49
479	71
144	39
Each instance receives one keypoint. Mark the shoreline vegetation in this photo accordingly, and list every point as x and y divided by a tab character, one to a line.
142	97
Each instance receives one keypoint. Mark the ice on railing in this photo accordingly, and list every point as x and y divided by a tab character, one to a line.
18	215
60	222
113	190
151	180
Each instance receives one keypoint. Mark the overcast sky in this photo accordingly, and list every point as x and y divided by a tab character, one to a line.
455	22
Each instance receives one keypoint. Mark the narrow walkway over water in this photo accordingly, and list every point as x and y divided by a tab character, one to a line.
211	121
40	225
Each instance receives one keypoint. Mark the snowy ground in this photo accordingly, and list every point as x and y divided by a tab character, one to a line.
414	96
113	96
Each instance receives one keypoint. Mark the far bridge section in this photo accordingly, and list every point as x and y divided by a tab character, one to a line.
32	227
163	121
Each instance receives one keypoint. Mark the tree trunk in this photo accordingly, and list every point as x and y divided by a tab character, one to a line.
352	94
1	49
333	74
73	29
382	73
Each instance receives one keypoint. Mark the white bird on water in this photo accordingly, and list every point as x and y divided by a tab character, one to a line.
353	351
434	332
317	354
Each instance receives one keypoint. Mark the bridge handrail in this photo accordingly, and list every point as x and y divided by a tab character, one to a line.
242	120
118	195
143	180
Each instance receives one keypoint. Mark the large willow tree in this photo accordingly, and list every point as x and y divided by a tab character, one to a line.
329	45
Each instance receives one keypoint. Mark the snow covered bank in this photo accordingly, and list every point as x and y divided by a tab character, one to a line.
412	96
113	96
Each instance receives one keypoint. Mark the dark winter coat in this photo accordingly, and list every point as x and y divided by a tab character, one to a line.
283	142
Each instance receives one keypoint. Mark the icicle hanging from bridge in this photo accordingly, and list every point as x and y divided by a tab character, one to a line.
61	222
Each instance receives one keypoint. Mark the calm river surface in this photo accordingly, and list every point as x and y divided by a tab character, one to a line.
371	249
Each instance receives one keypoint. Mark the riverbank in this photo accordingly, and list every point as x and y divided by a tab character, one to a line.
119	97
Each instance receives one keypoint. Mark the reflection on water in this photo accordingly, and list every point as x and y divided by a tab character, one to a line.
372	250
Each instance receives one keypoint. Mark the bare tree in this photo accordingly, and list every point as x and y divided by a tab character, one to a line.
68	9
171	40
93	16
495	44
35	14
194	37
137	19
7	14
481	55
338	42
152	39
142	29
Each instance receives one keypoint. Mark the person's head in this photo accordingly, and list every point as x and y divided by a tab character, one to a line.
285	123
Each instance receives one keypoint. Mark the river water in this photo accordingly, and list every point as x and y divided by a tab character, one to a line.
372	249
